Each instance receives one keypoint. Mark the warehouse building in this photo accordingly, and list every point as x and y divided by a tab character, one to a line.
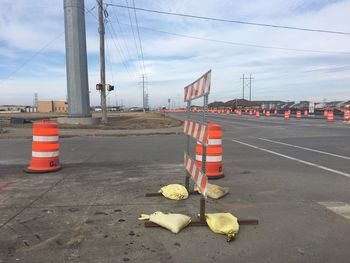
53	106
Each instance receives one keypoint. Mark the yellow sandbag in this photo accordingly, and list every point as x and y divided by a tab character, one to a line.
174	191
223	223
173	222
215	191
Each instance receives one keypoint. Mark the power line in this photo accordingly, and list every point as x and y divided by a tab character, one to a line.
123	36
133	34
39	51
110	63
242	44
119	49
138	33
232	21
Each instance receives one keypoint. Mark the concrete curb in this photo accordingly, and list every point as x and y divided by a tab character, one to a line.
70	133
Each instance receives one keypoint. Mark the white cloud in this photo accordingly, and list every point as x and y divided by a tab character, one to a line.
172	61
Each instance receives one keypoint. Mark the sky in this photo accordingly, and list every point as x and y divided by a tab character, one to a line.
32	50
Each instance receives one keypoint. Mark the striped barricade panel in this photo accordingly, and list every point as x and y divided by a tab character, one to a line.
197	175
198	88
197	131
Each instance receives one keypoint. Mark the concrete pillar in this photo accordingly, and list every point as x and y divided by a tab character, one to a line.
76	59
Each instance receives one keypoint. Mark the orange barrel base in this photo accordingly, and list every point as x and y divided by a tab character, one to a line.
214	153
30	171
45	148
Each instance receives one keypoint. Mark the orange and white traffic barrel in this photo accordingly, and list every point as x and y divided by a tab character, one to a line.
214	152
330	116
257	114
325	113
306	113
298	115
267	113
45	148
347	116
286	115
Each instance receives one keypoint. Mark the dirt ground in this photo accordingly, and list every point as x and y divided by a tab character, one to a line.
117	121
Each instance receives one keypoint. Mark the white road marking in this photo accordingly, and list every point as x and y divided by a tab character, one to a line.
295	159
340	208
305	148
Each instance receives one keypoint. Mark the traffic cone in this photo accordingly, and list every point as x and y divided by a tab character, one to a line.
45	148
330	116
286	115
325	113
347	116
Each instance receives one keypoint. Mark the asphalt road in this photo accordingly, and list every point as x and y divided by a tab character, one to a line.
293	176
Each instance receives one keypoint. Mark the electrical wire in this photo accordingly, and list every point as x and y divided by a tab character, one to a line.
133	34
38	52
231	21
242	44
115	44
122	33
119	49
140	42
109	63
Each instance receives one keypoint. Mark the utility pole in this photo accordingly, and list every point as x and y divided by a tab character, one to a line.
243	84
143	93
250	87
102	61
76	59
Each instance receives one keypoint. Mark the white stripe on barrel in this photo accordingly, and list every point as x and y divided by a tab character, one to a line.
214	141
45	138
45	154
209	158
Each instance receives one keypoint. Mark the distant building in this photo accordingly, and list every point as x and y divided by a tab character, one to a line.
346	105
53	106
11	109
216	104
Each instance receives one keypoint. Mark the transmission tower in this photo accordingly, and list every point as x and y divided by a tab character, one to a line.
247	83
35	101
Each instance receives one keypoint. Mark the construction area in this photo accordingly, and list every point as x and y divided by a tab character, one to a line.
87	212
